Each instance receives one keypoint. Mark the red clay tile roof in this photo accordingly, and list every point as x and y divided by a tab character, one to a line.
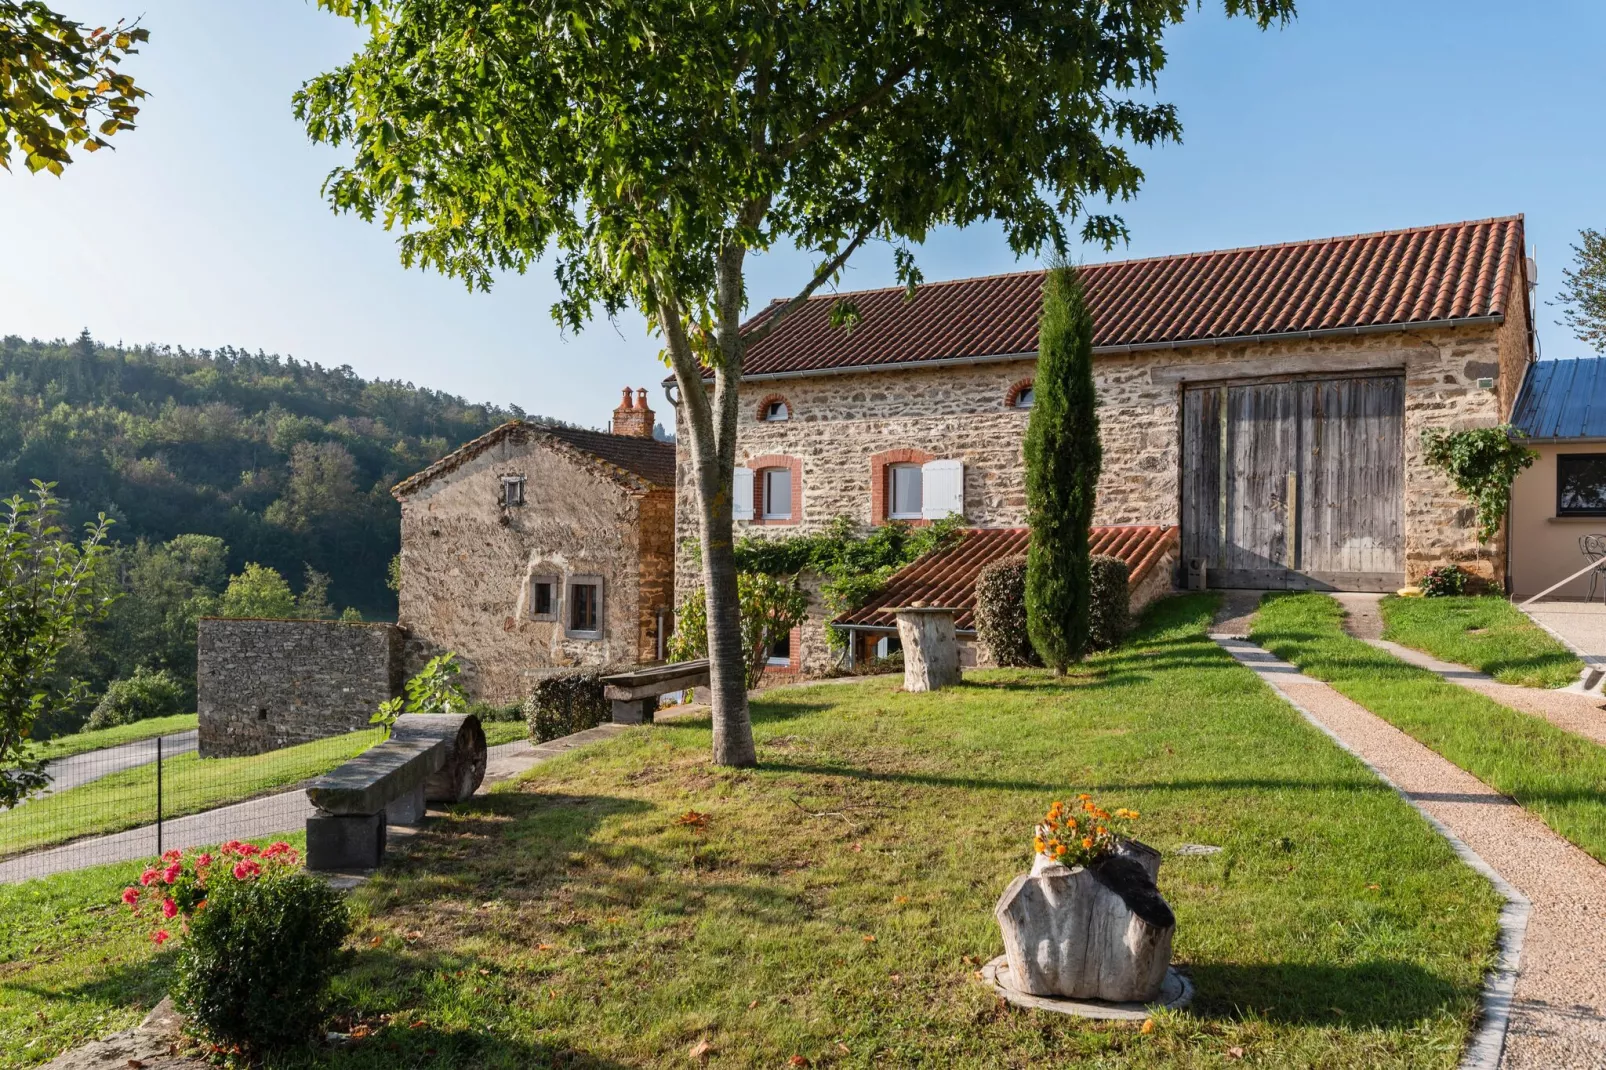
947	577
1415	277
637	462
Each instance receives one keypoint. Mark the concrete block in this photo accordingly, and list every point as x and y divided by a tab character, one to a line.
634	711
340	842
408	809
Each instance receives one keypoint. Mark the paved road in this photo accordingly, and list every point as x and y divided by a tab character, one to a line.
284	812
92	765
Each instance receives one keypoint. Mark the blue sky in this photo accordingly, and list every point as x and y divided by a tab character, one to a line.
205	227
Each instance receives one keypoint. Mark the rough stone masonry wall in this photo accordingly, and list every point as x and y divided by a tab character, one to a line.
838	421
467	561
266	684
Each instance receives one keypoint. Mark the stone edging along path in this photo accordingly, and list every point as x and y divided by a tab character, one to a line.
1550	1012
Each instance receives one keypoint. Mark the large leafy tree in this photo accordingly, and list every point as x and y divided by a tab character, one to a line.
60	86
47	594
655	145
1583	290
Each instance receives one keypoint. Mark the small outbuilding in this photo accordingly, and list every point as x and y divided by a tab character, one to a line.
1558	506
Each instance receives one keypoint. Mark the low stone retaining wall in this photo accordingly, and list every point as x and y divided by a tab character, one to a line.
265	684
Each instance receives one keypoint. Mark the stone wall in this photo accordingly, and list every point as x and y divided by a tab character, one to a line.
266	684
468	561
837	422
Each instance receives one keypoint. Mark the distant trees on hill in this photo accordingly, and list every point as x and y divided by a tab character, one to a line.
288	463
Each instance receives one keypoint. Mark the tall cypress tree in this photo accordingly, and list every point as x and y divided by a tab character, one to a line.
1063	457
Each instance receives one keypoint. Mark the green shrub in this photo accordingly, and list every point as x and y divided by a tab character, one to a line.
1109	604
1001	613
148	693
566	701
771	606
1445	581
488	712
254	971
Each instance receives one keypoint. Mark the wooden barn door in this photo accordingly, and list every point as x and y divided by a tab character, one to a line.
1296	483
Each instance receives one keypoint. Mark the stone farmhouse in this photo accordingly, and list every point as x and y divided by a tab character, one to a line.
1261	411
537	546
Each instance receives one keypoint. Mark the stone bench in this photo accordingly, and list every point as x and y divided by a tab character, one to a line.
635	694
428	758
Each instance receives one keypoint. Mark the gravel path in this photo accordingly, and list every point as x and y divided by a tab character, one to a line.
1578	712
1558	1013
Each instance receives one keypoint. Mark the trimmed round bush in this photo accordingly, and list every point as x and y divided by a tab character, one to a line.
1109	607
254	971
148	693
1001	613
1444	581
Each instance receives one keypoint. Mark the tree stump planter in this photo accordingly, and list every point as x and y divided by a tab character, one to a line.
1099	932
930	648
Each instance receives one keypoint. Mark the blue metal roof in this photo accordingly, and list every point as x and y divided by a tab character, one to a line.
1562	399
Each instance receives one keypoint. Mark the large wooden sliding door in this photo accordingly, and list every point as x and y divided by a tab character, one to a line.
1296	483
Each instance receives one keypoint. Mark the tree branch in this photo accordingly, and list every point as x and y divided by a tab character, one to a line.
830	268
847	111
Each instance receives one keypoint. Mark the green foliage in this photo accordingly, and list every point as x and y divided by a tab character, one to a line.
1444	581
1001	613
771	606
56	78
1063	458
1109	602
259	591
1583	290
171	442
47	595
1482	462
313	601
490	713
148	693
855	563
433	689
254	970
565	701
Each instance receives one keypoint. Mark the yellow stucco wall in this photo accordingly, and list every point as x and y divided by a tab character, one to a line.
1544	547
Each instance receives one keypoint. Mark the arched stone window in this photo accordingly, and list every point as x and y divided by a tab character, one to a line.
1019	395
774	409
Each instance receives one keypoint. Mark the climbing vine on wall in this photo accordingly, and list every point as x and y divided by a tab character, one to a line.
854	562
1482	462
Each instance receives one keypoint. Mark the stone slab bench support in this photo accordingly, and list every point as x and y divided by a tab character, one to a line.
428	757
930	648
635	695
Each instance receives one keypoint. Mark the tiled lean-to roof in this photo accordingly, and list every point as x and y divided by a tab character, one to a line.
1563	399
645	459
1394	279
947	577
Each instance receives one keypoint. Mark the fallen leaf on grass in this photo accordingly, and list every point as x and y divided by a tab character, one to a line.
376	941
856	847
753	1004
843	1048
415	935
692	819
797	1060
1235	1053
869	938
900	899
701	1050
544	947
1147	1027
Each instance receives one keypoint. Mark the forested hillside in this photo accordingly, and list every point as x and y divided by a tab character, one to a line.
288	463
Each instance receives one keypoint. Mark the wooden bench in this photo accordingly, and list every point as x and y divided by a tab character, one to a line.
438	757
635	694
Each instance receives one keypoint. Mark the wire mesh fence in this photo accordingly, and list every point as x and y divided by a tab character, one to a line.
139	799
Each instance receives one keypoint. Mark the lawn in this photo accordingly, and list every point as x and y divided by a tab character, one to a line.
625	902
80	742
74	963
1485	633
497	732
1553	773
190	784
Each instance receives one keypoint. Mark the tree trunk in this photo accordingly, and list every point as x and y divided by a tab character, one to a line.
711	428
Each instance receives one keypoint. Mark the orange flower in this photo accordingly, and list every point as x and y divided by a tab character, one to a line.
1087	843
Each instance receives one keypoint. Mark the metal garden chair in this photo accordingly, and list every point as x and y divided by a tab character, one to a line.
1593	547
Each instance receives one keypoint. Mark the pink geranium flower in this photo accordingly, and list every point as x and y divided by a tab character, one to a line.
246	869
148	876
131	896
172	872
169	908
161	936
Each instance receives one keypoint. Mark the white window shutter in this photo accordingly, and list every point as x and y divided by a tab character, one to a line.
942	489
742	495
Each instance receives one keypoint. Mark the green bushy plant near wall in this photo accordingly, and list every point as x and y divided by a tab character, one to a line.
1482	462
1001	613
148	693
1109	601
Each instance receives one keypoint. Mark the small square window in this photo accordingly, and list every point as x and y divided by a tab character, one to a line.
512	491
905	491
777	493
585	607
1581	484
777	410
780	654
543	603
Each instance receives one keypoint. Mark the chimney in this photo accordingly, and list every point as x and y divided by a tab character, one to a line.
633	418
